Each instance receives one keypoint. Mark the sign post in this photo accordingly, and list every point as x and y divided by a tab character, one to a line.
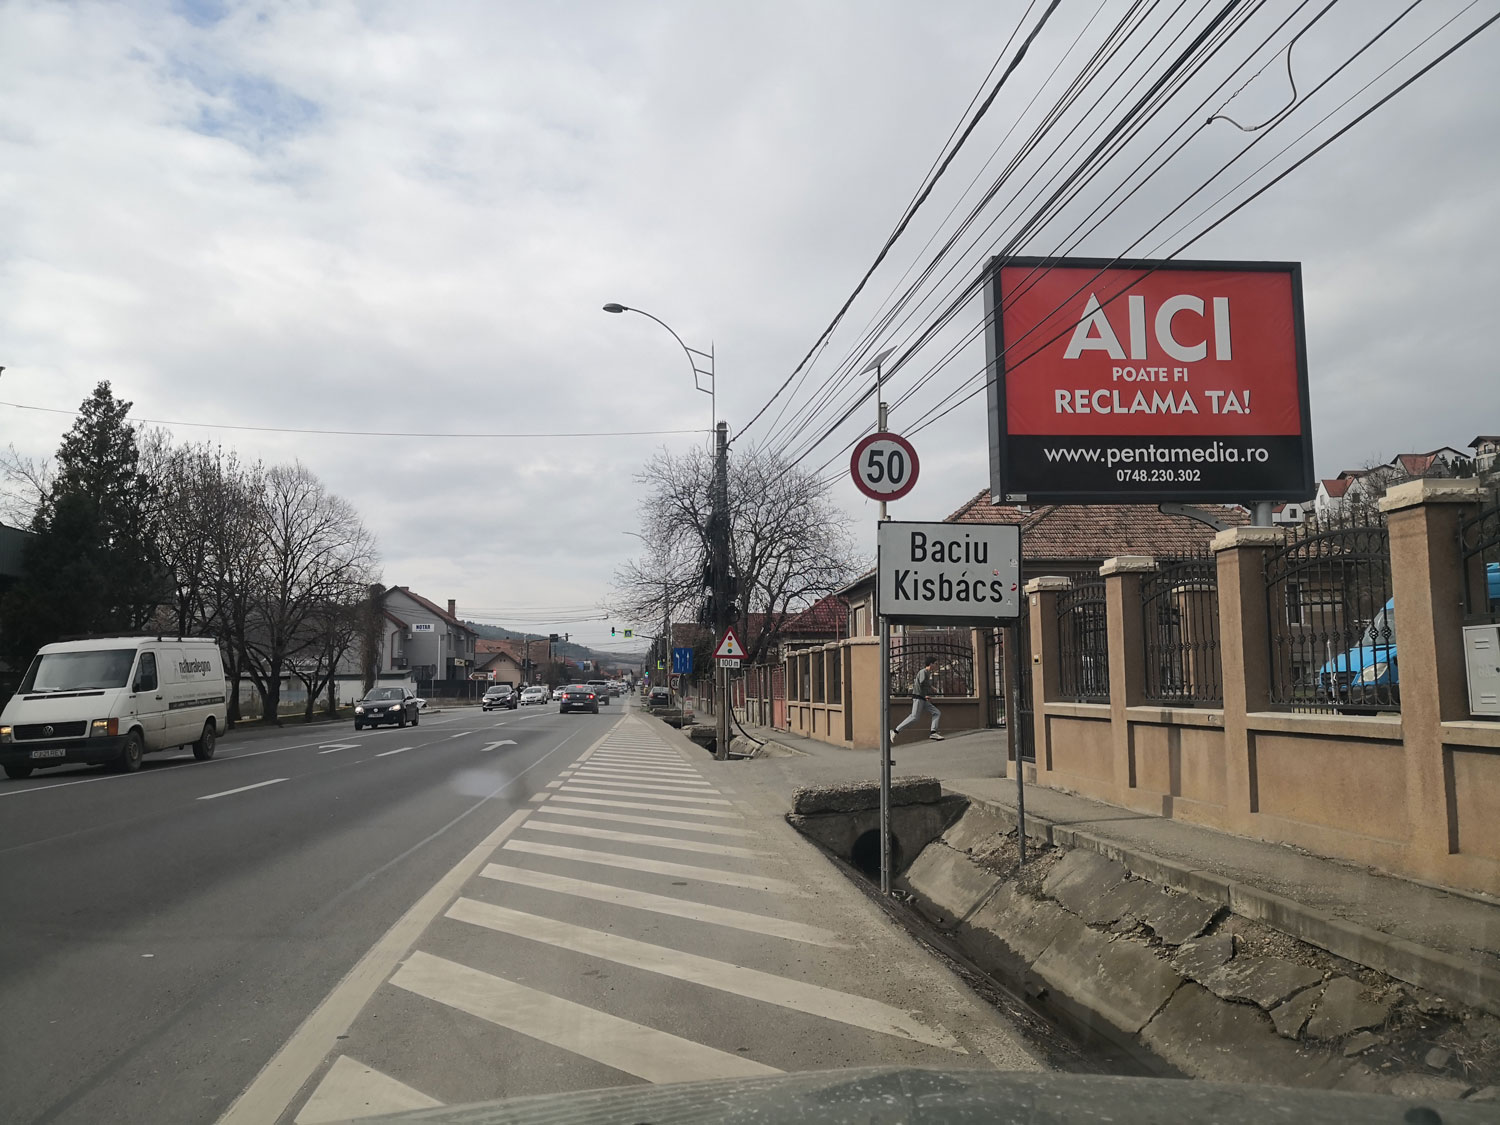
942	574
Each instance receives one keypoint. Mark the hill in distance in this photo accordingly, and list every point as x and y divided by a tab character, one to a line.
562	650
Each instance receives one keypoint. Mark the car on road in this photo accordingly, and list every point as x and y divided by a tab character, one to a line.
579	697
616	687
659	697
601	689
501	695
557	692
533	695
113	700
396	705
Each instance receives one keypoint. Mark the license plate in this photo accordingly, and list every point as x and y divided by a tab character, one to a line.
54	752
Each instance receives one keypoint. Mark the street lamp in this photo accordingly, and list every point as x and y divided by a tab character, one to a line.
693	354
718	525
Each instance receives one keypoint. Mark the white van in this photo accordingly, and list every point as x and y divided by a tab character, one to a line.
114	699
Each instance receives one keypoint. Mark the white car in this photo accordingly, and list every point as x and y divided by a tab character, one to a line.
557	692
533	695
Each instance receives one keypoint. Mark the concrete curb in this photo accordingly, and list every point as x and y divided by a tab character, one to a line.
1432	969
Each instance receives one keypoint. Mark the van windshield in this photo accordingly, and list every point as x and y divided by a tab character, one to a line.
79	671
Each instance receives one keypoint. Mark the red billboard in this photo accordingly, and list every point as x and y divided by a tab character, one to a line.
1147	381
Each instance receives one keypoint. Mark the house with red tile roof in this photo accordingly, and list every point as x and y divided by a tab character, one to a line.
421	639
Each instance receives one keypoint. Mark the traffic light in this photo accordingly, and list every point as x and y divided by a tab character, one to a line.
611	630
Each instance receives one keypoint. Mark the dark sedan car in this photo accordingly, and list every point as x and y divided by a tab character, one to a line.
387	705
578	697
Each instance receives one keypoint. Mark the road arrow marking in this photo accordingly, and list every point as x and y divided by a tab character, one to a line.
494	745
335	747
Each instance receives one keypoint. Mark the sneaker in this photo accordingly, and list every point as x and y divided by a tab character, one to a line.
935	736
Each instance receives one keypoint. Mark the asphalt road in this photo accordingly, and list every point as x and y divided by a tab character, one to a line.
164	932
322	925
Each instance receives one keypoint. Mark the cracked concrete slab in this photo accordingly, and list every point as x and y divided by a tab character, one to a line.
948	884
1081	879
1207	1038
1025	925
1197	959
1290	1018
1264	981
1340	1010
1123	981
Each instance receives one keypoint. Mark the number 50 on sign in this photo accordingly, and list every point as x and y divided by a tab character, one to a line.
884	466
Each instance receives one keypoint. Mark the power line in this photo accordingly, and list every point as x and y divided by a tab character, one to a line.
361	433
912	210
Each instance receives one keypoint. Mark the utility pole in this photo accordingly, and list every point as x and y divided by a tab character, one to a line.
719	567
666	634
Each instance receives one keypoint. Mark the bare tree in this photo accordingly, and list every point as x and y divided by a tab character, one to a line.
331	631
315	551
24	485
789	544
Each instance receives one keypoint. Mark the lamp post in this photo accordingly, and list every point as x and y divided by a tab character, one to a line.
718	536
693	355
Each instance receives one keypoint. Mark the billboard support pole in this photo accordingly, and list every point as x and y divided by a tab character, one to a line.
885	699
1012	729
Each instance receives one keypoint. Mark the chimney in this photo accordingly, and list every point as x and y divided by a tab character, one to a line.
452	608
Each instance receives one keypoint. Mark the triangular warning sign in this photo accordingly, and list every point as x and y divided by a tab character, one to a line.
730	647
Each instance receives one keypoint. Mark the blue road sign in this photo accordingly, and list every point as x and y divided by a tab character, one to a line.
682	661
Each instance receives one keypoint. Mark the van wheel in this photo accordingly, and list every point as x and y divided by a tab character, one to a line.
130	756
17	773
203	749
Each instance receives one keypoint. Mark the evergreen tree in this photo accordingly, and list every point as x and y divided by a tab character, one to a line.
92	567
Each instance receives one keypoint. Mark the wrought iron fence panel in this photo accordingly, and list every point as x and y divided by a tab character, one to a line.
1180	616
954	670
1083	643
1479	549
1332	619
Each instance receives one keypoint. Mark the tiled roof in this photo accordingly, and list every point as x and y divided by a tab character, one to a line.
1415	464
1336	488
1483	438
826	617
442	614
1086	532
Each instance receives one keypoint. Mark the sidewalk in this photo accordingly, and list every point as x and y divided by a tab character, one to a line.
1442	940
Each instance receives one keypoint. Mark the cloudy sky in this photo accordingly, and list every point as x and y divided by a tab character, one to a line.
405	217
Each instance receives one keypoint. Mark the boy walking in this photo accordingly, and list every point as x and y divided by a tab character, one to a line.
924	687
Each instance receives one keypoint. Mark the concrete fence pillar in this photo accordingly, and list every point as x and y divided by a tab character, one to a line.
1127	660
1245	653
1041	597
1427	582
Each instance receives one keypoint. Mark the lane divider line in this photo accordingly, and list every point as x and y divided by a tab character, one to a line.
242	789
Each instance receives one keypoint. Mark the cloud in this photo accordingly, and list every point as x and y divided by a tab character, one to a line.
406	217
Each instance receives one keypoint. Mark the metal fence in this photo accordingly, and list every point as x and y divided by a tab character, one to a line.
1083	643
1332	619
953	649
1479	547
1180	618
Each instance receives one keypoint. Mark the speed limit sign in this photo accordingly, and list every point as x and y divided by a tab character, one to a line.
884	466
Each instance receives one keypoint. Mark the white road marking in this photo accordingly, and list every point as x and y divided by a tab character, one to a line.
272	1091
497	745
621	790
463	734
647	806
634	1048
607	774
665	761
335	747
663	904
653	821
595	765
398	750
351	1090
784	992
698	846
242	789
659	867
